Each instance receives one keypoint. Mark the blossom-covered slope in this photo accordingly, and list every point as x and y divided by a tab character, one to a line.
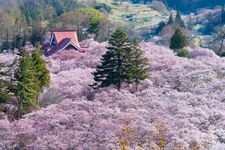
186	97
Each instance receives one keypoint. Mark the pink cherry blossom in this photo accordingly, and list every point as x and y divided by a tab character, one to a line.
185	96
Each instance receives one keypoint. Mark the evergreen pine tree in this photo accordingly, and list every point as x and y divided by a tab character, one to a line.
41	70
27	87
178	16
179	20
178	40
112	69
222	14
137	67
170	21
4	93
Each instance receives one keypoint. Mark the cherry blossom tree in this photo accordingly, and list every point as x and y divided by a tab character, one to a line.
183	96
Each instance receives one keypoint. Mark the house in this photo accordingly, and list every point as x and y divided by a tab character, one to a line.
129	17
62	40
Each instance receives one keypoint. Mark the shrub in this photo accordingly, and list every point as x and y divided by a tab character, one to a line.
104	6
183	53
178	40
222	54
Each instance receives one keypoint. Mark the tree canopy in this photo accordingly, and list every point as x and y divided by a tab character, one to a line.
178	40
31	77
122	63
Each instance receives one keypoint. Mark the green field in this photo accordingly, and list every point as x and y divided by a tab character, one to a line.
145	16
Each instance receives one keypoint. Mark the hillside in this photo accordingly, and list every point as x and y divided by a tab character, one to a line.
136	19
105	75
187	5
181	104
29	20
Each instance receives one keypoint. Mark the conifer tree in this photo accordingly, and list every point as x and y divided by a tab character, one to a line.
4	93
178	40
170	21
41	70
178	16
179	20
137	67
112	69
27	86
222	14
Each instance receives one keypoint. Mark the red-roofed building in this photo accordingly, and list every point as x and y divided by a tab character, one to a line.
62	40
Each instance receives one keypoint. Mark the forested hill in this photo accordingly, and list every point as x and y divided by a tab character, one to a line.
58	5
188	5
183	5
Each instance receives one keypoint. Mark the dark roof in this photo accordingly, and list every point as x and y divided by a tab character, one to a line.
62	45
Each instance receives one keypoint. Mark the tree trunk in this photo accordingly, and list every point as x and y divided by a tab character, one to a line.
7	36
18	113
136	86
119	85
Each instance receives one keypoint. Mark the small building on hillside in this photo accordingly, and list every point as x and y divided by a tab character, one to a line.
62	40
129	17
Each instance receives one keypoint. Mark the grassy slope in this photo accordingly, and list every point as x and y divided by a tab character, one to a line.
150	18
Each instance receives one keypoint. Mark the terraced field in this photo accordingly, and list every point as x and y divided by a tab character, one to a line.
145	16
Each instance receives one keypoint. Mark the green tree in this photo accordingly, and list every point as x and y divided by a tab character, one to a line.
170	21
27	85
112	70
90	19
137	67
179	20
178	40
183	53
5	45
41	70
93	27
178	16
222	14
220	37
95	18
4	93
17	41
104	6
37	34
